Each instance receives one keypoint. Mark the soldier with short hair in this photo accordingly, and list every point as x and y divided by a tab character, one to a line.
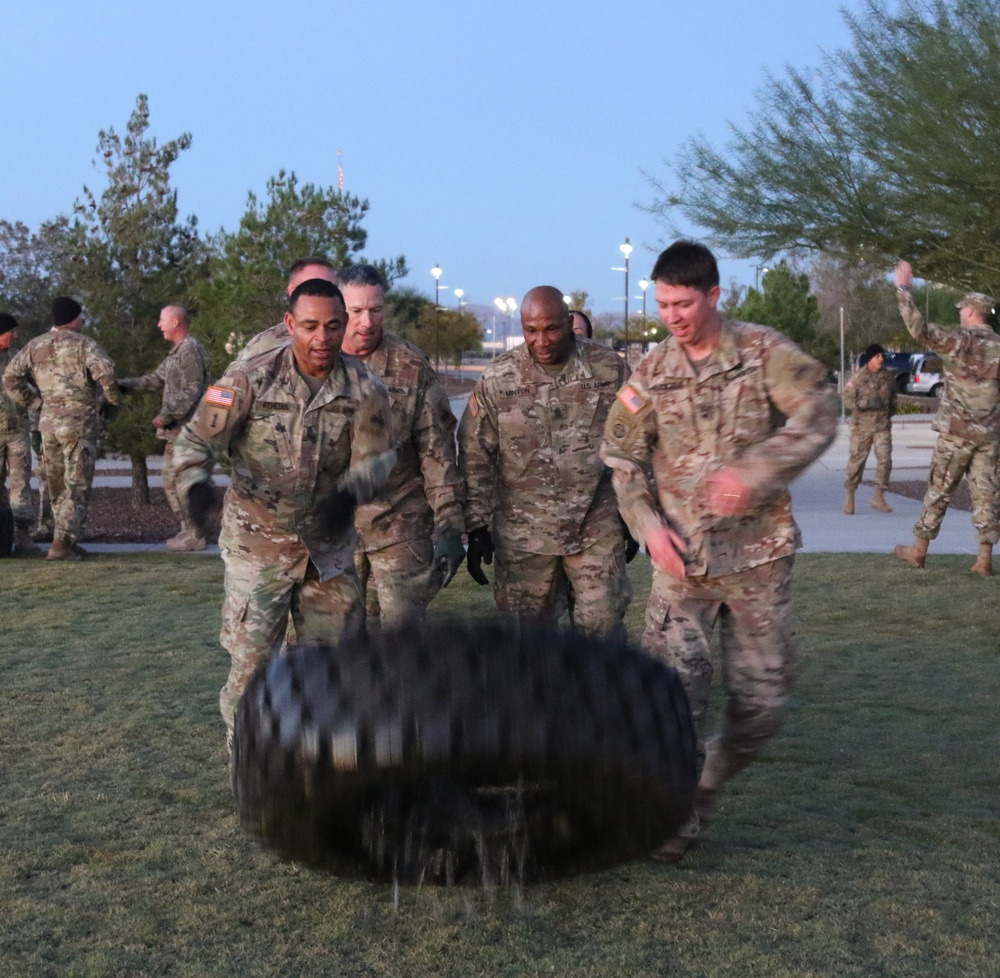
870	396
274	336
968	421
15	452
539	495
62	372
183	377
308	433
410	534
703	440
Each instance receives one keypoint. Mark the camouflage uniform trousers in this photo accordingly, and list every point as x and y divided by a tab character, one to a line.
255	616
537	587
169	475
954	458
69	458
398	582
15	464
757	637
863	439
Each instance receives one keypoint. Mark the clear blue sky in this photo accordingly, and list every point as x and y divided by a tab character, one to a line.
504	141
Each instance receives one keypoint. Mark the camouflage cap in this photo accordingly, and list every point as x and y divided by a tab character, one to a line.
978	301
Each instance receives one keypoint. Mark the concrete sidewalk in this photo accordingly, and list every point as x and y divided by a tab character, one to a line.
817	498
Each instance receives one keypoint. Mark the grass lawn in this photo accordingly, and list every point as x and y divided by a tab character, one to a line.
864	843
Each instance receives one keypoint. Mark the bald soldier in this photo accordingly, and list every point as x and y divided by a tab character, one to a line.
308	433
410	534
277	335
968	421
183	377
539	496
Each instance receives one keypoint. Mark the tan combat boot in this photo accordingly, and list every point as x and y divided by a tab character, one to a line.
62	549
984	562
849	503
915	554
879	503
185	541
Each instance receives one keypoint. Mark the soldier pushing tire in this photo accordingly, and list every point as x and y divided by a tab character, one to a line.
466	755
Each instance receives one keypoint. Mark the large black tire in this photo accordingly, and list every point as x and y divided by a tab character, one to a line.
6	531
464	754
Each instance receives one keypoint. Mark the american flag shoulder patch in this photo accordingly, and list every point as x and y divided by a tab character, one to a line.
473	406
221	396
632	399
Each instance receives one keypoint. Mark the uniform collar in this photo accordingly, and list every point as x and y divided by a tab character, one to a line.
724	357
577	367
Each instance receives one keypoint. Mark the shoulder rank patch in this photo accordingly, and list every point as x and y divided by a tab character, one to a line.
221	396
473	406
632	399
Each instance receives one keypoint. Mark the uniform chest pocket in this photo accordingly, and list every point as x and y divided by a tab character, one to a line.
334	443
270	441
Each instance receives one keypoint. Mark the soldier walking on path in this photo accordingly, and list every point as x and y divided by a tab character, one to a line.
703	440
183	377
308	434
15	452
538	491
870	396
410	534
968	421
61	372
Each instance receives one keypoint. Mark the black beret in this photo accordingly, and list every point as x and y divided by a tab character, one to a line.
7	323
65	310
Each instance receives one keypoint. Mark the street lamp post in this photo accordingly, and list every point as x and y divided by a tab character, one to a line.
458	295
644	284
506	307
436	272
626	250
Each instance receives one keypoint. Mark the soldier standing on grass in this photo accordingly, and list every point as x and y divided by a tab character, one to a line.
703	440
968	421
870	396
15	452
61	372
537	490
308	434
410	534
183	377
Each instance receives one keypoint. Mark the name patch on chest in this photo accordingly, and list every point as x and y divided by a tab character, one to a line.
275	406
393	389
515	392
597	385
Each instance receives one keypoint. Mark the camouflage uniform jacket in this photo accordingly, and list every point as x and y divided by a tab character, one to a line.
528	448
182	376
758	405
289	450
425	491
970	407
13	416
60	372
870	396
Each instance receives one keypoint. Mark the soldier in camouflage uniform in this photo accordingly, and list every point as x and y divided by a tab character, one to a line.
870	396
60	372
537	489
183	377
410	534
15	452
968	421
703	441
277	335
308	434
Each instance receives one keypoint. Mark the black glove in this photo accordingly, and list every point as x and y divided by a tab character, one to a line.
448	556
36	443
631	544
337	511
480	550
201	502
108	411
